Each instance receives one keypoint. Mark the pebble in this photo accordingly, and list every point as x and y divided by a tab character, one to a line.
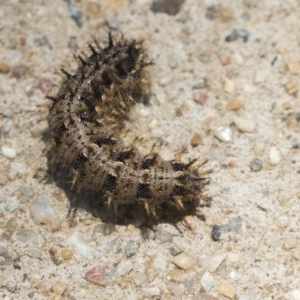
7	126
75	13
224	134
289	242
216	233
93	8
160	264
259	148
39	128
245	124
188	283
256	165
243	34
204	296
166	6
175	250
200	97
82	248
164	236
212	262
281	220
207	282
19	71
184	261
124	267
11	286
10	207
188	222
238	59
296	253
104	229
96	276
139	278
274	156
196	140
66	253
114	5
201	84
45	85
152	291
177	290
292	87
296	294
4	67
59	288
42	213
233	225
112	22
225	59
8	152
293	67
227	289
229	86
235	105
131	248
5	256
260	76
249	295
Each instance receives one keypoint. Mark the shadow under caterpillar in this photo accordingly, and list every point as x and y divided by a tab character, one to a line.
86	121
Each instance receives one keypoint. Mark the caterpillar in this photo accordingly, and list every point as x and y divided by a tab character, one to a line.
86	118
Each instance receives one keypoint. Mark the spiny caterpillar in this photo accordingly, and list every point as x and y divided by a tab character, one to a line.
86	118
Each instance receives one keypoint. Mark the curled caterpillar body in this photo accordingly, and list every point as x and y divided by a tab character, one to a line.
85	122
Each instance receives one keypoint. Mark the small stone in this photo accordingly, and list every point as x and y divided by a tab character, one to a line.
139	278
229	86
225	59
274	156
227	289
207	282
45	85
196	140
166	6
287	105
293	67
96	276
42	213
292	87
160	264
75	13
224	134
201	84
260	76
113	22
281	220
8	152
204	296
259	148
66	253
92	8
243	34
177	290
164	236
82	248
114	4
238	59
10	207
216	233
19	71
249	295
289	242
296	253
235	105
7	126
5	256
212	262
4	67
131	248
175	250
200	97
124	267
11	286
59	288
256	165
184	261
245	124
152	291
104	229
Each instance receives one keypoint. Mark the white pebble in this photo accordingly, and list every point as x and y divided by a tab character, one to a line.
229	86
184	261
296	294
152	291
42	213
274	156
177	290
207	282
245	124
160	264
281	220
8	152
81	247
224	134
7	126
238	58
260	76
212	262
124	267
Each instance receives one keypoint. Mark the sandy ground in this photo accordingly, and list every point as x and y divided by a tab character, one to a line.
226	79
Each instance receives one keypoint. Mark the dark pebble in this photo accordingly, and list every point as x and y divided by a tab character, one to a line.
212	12
19	71
216	233
75	13
42	41
170	7
236	34
30	295
256	165
104	229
